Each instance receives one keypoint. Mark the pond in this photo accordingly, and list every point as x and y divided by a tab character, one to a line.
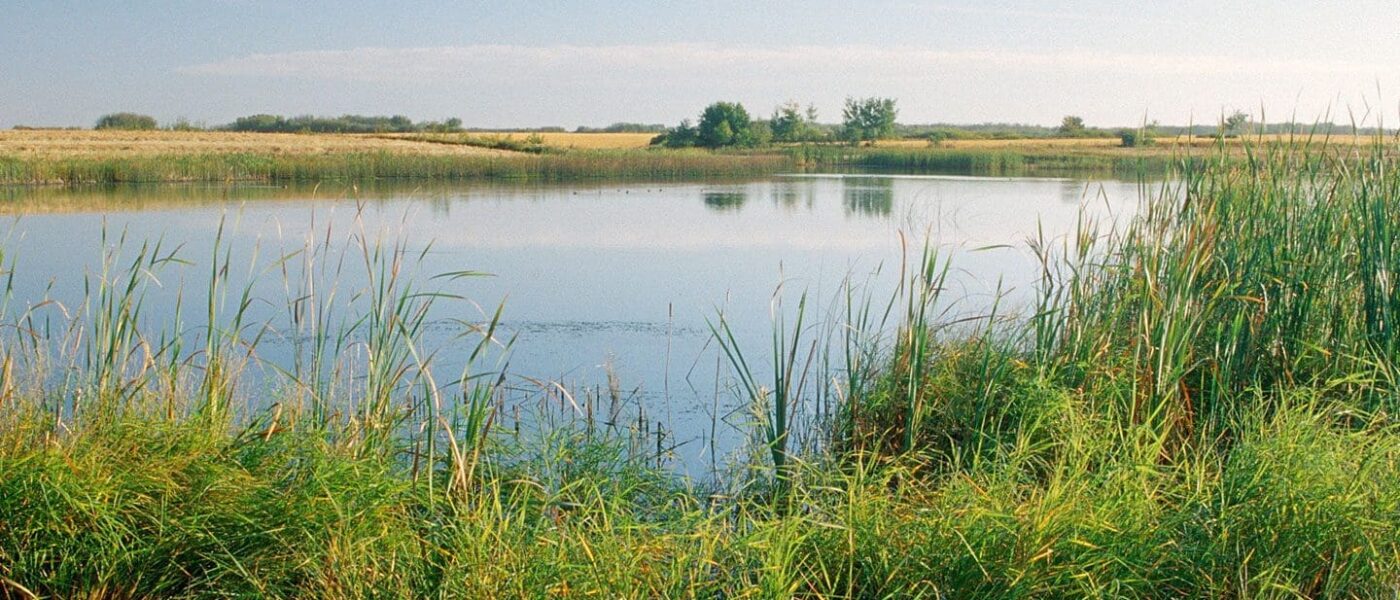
608	289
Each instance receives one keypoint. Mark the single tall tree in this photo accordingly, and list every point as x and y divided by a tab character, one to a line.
1071	126
791	124
725	124
1236	122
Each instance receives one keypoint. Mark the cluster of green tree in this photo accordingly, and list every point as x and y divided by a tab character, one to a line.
728	124
264	123
792	124
126	120
624	128
1072	126
868	120
722	124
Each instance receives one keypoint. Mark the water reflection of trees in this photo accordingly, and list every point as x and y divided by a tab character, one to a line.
868	196
791	194
725	200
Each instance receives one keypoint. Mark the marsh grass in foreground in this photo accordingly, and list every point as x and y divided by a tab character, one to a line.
1201	404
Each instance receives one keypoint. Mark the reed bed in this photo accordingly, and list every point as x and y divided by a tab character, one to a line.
1165	144
108	157
1201	404
112	142
1080	156
991	161
258	167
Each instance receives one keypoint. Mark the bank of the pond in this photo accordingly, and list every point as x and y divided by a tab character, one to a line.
263	167
79	158
572	165
993	162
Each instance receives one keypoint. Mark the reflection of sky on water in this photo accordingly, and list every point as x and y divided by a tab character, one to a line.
593	276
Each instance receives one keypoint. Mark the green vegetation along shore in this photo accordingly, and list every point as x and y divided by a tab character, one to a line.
266	167
571	165
568	166
1009	162
1203	404
725	141
52	157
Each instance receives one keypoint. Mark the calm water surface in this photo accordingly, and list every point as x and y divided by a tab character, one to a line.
595	278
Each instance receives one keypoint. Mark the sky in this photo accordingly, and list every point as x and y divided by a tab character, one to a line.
517	63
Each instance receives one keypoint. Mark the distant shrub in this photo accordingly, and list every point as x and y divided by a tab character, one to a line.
684	135
185	125
533	143
790	124
1133	138
452	125
126	120
1071	126
722	125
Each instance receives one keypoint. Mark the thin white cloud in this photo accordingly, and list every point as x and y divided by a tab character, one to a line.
661	62
1039	15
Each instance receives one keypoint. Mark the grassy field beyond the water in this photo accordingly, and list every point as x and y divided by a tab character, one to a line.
103	157
87	157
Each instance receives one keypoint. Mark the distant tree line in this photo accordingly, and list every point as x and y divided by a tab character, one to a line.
126	120
729	124
624	128
264	123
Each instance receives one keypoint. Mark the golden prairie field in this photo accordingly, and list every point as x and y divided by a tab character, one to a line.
56	143
563	140
590	140
60	143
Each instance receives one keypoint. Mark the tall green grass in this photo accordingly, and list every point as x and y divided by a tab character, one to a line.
219	167
1199	404
987	162
571	165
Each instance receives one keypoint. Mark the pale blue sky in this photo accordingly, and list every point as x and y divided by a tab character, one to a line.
518	63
